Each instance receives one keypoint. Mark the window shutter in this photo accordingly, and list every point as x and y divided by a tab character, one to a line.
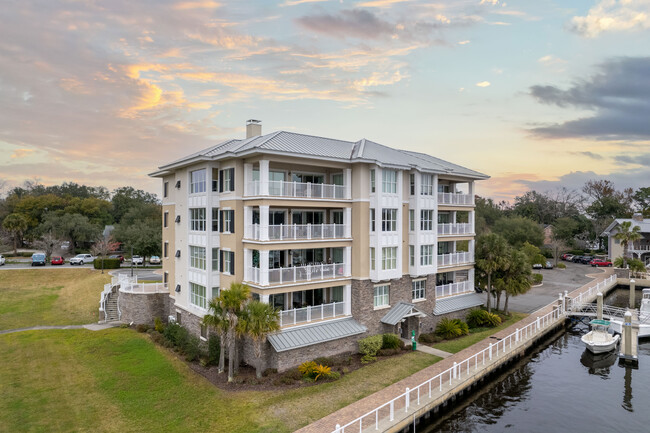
232	221
220	221
232	263
221	261
220	180
232	179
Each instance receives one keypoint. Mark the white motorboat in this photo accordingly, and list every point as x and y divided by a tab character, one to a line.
598	340
644	317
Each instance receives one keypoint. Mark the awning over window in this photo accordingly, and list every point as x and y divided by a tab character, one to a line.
294	338
401	311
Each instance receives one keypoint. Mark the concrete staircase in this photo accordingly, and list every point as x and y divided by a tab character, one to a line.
111	308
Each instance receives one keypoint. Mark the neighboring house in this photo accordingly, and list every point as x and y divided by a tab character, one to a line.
639	249
548	234
347	239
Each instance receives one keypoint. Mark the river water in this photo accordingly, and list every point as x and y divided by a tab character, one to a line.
559	388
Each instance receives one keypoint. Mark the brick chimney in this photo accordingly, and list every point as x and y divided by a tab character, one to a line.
253	128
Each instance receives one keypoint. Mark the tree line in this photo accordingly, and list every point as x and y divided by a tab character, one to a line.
44	216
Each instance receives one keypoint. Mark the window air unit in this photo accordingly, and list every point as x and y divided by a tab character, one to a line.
178	290
178	253
178	218
178	184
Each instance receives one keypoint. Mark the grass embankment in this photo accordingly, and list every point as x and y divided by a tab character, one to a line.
118	380
476	335
31	297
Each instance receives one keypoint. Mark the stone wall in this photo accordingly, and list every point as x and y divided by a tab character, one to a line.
142	307
622	273
283	361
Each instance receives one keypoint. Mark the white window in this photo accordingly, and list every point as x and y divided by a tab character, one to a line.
372	181
412	182
197	181
372	220
389	258
215	259
228	221
215	219
197	257
426	255
197	219
381	296
418	289
372	258
426	219
227	262
389	220
412	220
412	255
426	186
197	295
227	180
389	181
215	292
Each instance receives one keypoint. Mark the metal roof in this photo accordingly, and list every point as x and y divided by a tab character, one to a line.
644	224
294	338
303	145
400	311
457	303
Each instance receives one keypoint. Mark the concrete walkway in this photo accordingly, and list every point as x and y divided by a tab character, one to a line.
428	349
90	327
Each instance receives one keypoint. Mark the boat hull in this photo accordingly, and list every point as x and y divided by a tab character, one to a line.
600	345
617	326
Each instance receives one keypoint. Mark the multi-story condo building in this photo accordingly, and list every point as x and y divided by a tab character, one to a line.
347	239
639	249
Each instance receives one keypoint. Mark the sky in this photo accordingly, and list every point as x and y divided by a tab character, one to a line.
536	94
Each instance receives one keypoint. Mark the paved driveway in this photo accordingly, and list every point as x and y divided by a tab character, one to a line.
555	281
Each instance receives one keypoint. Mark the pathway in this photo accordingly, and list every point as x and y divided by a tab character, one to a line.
90	327
428	349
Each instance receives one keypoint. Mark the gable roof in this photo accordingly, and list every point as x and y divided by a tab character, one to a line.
400	311
311	146
645	225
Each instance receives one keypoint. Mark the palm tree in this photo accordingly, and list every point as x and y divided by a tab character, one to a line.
491	251
516	279
260	320
216	319
233	301
16	224
627	235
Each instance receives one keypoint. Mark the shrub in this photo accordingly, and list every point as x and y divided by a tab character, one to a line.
492	320
142	327
158	324
182	338
391	341
170	332
389	352
322	372
325	360
561	265
479	318
307	369
293	375
158	338
369	347
451	328
192	348
214	349
335	375
537	278
429	338
270	371
108	263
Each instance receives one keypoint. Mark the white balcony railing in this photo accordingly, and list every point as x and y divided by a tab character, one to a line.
455	198
454	289
458	258
297	274
299	231
309	314
281	188
455	229
639	247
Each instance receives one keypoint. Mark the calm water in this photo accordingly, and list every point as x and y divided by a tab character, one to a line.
560	388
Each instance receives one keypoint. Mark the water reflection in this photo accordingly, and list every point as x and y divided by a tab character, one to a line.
627	394
598	364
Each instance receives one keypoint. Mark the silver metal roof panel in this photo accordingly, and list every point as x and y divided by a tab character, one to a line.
399	311
457	303
302	336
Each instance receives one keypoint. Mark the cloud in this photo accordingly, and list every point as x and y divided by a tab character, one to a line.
205	4
22	153
550	60
463	42
589	155
618	96
299	2
483	84
642	159
613	16
380	3
354	23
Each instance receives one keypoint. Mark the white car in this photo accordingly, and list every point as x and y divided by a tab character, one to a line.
80	259
2	260
154	260
137	260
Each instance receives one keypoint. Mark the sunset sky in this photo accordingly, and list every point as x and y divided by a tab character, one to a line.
535	94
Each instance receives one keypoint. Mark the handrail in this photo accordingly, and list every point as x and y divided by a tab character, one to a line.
455	198
311	313
280	188
299	273
454	228
298	231
457	258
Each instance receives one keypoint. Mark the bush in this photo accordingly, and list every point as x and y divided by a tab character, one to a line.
182	339
369	347
108	263
192	348
561	266
324	360
389	352
451	328
479	318
270	371
307	369
158	338
576	252
391	341
214	349
429	338
158	324
142	327
322	372
171	331
537	278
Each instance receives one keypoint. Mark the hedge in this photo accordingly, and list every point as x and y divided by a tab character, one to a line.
108	263
369	347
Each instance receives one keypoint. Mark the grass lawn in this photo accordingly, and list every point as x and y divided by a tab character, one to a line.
118	380
476	335
30	297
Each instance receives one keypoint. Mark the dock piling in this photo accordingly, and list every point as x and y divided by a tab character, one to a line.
599	306
632	287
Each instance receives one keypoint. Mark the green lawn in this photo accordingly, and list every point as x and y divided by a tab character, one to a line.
476	335
30	297
118	380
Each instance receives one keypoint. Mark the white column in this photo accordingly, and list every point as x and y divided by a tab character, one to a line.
248	222
264	299
347	182
264	268
248	178
348	260
347	298
248	264
470	277
471	246
347	220
471	191
264	222
264	177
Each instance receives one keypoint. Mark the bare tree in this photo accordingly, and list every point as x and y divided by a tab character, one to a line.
104	246
47	243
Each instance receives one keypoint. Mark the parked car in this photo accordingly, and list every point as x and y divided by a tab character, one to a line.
154	260
57	260
38	259
600	262
548	265
537	266
585	260
576	259
117	256
137	260
80	259
567	257
2	260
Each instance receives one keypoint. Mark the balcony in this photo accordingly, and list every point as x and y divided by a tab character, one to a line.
297	274
299	232
454	289
455	199
448	229
316	313
296	190
455	259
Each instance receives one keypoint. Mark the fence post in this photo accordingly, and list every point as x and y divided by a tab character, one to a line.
538	323
517	335
406	406
454	370
392	410
490	352
338	428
